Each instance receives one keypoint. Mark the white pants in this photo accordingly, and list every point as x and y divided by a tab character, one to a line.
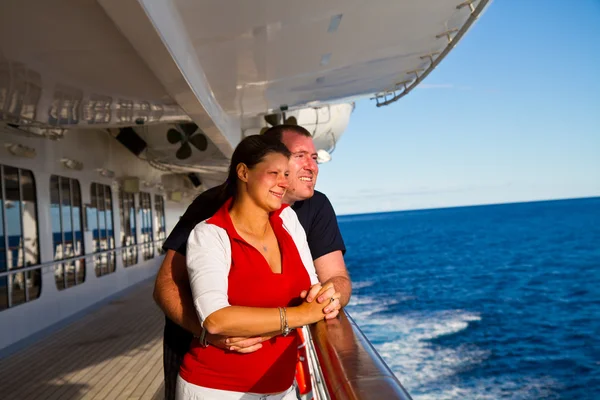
189	391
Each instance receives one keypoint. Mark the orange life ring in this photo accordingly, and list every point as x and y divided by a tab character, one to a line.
302	370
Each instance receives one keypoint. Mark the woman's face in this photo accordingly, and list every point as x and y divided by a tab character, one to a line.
268	181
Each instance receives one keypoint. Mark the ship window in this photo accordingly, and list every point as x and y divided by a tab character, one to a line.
100	221
19	247
146	226
159	221
128	229
67	236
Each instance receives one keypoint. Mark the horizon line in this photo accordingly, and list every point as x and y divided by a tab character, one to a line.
472	205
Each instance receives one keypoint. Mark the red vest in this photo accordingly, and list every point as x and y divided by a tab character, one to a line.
253	284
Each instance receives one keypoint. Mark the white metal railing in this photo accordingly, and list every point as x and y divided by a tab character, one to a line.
417	75
88	257
317	380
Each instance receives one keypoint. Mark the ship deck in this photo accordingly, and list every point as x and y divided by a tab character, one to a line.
114	352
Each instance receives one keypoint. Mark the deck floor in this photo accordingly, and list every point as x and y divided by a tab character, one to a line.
115	352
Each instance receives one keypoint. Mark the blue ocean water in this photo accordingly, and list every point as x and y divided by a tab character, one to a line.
488	302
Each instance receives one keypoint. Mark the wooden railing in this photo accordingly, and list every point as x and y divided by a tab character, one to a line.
350	366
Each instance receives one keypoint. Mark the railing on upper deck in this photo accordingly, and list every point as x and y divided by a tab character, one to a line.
348	365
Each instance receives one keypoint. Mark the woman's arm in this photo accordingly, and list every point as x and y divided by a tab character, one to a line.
208	264
252	321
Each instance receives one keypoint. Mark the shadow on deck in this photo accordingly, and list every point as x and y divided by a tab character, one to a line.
114	352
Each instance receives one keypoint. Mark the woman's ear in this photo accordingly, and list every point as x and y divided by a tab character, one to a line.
242	172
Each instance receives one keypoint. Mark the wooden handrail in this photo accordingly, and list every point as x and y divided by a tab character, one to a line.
352	369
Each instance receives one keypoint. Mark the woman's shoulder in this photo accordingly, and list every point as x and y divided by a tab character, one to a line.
205	231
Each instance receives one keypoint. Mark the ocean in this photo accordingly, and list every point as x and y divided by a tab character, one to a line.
485	302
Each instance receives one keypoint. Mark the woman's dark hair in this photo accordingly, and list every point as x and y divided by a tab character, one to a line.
250	151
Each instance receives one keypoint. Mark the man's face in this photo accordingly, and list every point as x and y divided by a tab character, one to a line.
303	167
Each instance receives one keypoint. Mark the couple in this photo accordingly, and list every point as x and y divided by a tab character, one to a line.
249	263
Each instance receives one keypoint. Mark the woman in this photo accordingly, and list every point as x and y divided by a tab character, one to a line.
247	266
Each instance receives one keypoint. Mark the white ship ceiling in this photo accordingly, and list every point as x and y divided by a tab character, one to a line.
110	63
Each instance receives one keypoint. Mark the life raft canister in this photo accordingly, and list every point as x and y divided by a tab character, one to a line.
302	370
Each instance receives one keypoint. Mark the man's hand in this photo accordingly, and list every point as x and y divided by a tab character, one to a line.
239	344
323	294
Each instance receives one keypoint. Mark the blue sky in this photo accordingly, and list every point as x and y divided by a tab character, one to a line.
512	114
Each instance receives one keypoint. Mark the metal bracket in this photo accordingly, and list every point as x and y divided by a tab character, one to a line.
404	84
430	57
415	72
447	34
468	3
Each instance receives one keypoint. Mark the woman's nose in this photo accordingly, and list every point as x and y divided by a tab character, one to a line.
284	182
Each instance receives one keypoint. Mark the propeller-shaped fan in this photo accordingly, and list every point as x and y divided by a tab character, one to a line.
275	119
187	136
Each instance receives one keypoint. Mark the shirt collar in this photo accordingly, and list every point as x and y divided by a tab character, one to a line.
223	220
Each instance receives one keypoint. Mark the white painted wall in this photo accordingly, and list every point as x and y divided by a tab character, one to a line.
95	149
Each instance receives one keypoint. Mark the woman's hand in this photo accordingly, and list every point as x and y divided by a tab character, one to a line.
328	308
326	295
311	312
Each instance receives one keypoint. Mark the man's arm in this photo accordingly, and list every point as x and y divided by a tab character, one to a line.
327	246
173	295
331	268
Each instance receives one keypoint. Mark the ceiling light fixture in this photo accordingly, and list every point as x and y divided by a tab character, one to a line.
325	58
334	23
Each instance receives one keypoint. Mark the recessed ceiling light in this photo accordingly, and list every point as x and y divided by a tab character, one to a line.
334	23
325	58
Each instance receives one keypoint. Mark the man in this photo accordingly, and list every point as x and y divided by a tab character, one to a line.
172	291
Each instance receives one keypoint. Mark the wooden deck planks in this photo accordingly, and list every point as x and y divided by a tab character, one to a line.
114	352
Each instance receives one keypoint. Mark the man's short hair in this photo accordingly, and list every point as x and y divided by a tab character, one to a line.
277	131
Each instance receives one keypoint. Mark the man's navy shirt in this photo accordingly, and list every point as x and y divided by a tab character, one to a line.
316	216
